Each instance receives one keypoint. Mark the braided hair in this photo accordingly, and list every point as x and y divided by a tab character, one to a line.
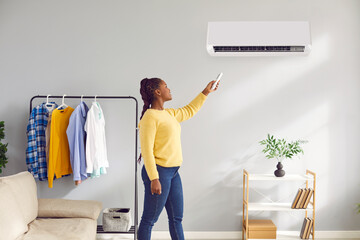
147	89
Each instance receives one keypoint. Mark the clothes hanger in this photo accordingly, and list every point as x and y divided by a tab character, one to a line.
48	104
63	105
81	99
96	101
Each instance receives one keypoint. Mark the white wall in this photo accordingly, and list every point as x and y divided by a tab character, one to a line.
107	47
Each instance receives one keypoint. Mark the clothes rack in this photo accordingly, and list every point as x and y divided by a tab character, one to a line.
133	229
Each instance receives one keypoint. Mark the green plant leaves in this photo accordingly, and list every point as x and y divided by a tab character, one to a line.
279	148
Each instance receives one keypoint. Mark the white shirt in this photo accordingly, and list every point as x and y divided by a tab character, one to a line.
96	153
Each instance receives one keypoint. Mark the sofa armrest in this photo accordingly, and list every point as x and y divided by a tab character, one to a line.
64	208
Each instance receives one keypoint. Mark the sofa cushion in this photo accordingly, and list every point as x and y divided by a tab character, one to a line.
62	228
66	208
23	187
12	222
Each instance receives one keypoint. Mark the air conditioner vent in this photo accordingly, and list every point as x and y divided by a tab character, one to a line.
230	49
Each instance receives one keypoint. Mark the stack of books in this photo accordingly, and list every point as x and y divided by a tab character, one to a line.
302	198
306	228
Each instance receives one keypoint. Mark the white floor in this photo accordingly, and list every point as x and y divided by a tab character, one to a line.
109	237
117	238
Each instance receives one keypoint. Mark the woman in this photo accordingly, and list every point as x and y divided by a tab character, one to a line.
161	150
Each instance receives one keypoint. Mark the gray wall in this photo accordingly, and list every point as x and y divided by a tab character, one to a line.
107	47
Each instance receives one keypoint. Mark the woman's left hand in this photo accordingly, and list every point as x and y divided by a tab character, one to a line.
208	89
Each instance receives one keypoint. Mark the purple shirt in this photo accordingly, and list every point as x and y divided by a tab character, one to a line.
76	138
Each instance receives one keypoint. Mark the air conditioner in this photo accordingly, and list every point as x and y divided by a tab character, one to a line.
258	38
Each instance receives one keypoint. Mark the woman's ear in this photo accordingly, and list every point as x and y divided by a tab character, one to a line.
157	92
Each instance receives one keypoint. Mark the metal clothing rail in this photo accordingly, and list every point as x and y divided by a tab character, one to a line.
134	228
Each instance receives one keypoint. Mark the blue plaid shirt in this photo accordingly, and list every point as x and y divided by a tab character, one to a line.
36	148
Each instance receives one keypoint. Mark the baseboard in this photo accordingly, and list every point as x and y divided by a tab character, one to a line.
337	234
199	235
238	235
159	235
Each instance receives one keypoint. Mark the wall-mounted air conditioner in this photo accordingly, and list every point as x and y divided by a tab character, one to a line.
258	38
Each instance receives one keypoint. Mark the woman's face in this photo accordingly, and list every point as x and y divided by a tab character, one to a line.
164	91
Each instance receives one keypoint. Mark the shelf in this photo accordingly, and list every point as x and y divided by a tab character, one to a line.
271	177
285	235
101	230
275	207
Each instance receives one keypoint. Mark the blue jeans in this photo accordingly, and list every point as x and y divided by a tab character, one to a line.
171	197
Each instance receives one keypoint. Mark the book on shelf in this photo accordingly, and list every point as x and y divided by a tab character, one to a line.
306	193
306	228
296	199
309	228
303	228
308	197
302	198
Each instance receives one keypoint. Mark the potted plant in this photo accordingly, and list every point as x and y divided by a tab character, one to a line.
3	147
280	150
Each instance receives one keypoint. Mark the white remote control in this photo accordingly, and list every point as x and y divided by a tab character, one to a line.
217	80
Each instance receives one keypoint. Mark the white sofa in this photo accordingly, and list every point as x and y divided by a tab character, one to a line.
25	217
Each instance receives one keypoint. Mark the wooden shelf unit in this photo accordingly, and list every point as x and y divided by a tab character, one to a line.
248	206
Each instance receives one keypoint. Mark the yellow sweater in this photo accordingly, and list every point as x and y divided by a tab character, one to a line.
59	153
160	135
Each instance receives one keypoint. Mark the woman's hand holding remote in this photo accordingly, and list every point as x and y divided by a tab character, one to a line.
208	89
